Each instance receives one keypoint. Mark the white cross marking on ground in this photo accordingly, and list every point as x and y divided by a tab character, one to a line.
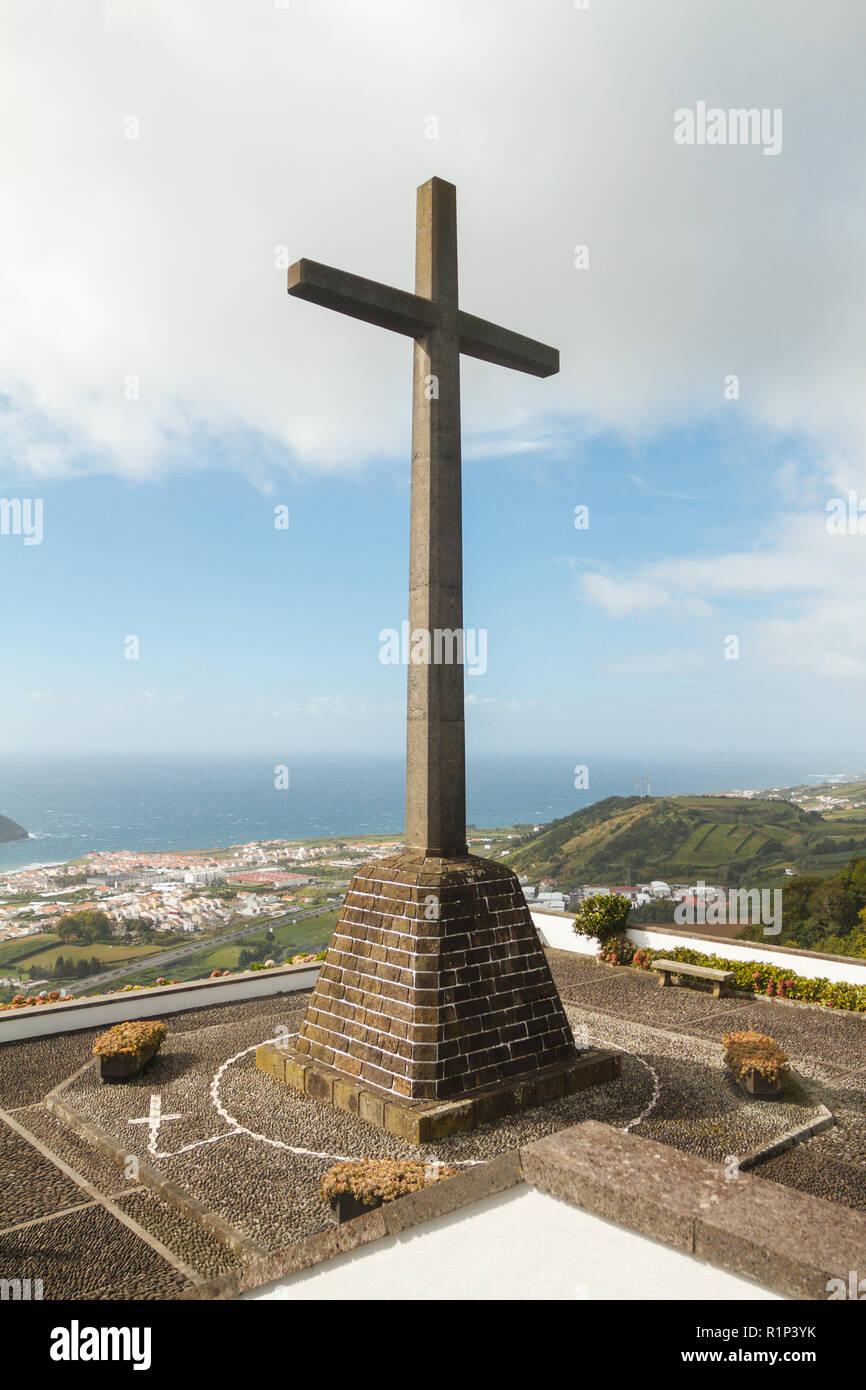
153	1119
236	1129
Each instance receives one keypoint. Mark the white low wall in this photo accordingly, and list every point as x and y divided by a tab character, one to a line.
557	930
101	1012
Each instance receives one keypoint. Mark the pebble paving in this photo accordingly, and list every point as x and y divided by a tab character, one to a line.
804	1031
31	1186
30	1068
828	1051
89	1254
673	1088
207	1255
81	1156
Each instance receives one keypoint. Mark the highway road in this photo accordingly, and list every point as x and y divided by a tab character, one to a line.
190	948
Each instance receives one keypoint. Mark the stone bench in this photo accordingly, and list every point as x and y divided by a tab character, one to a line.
720	978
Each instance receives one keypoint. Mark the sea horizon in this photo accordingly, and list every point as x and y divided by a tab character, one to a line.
80	804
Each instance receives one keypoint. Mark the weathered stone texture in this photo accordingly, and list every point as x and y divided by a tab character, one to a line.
435	983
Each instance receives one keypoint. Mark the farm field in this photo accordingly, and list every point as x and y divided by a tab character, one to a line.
102	950
292	938
719	839
11	952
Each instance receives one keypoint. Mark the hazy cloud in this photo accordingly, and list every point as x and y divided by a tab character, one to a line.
259	127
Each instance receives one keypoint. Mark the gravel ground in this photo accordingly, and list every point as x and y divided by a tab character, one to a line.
699	1108
806	1033
30	1068
570	970
268	1190
78	1153
833	1164
264	1189
639	997
673	1089
89	1254
195	1246
30	1186
827	1037
812	1169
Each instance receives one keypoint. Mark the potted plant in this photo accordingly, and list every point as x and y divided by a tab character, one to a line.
756	1061
360	1186
127	1047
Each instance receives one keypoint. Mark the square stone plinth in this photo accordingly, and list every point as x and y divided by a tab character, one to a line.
435	991
421	1122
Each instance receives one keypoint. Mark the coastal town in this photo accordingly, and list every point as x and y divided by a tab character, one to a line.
164	898
176	890
191	893
843	792
197	892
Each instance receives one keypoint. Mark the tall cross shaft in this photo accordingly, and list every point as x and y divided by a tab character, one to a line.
435	746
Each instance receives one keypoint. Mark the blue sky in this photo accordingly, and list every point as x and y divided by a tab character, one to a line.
253	637
170	161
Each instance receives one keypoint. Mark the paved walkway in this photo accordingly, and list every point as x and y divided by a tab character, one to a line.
827	1048
72	1219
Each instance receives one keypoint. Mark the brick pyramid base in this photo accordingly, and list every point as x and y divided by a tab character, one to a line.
435	999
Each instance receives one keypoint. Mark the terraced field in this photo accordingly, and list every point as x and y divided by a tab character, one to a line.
721	839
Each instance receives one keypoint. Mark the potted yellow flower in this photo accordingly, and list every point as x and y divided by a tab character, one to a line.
756	1061
127	1047
364	1184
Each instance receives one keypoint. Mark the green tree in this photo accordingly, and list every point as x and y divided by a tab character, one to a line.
833	907
855	875
86	926
138	924
796	912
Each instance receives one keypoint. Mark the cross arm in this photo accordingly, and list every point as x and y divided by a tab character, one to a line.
478	338
362	299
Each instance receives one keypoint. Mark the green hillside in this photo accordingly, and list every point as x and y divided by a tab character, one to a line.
683	838
11	830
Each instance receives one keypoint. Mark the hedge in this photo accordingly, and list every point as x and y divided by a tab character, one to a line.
754	977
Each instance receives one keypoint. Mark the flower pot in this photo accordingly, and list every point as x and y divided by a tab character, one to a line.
124	1065
346	1207
759	1085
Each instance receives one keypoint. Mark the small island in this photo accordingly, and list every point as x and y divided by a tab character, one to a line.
11	830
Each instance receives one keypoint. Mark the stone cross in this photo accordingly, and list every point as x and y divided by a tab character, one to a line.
435	754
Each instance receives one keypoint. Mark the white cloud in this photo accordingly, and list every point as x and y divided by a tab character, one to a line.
304	127
811	586
621	598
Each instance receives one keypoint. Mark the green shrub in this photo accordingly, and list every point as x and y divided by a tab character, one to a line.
603	915
618	951
760	977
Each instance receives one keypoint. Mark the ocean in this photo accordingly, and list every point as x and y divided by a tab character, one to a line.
74	805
